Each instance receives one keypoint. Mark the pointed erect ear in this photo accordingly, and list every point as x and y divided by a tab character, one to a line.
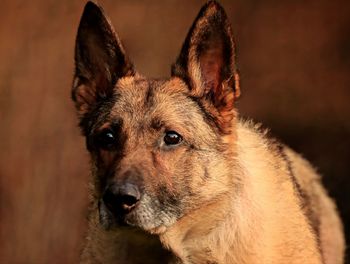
207	62
100	60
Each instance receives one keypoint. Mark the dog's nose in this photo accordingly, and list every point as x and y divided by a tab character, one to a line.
121	199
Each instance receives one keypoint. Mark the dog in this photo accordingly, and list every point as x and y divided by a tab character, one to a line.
177	176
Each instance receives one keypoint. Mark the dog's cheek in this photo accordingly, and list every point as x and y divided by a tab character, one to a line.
192	169
179	173
170	201
198	177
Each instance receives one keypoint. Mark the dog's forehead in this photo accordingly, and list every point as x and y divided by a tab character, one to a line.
148	105
139	100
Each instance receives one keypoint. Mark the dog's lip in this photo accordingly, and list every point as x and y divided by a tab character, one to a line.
120	219
124	211
130	208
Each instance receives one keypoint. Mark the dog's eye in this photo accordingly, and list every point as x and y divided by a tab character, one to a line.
106	139
172	138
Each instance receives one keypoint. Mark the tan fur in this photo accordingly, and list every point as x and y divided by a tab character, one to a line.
330	227
264	224
260	221
225	193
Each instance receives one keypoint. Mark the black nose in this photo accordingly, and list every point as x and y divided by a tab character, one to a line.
121	199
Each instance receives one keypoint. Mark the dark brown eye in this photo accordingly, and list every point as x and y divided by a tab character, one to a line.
172	138
106	139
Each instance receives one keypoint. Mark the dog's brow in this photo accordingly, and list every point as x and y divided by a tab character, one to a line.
156	123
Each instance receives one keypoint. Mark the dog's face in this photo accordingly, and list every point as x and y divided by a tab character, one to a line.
160	148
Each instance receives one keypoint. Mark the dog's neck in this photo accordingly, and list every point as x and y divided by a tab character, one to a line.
189	238
127	245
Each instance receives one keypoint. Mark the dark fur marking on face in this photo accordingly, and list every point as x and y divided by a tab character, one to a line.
156	123
149	95
106	160
115	127
97	115
149	85
102	177
208	117
169	200
111	157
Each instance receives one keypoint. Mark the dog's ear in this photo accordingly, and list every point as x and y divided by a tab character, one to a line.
207	63
100	59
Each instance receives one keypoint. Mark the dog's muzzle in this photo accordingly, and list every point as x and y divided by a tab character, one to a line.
117	202
121	199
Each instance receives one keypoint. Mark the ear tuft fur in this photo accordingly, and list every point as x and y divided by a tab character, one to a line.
100	59
207	62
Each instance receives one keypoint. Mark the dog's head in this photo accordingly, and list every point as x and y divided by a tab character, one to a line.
160	148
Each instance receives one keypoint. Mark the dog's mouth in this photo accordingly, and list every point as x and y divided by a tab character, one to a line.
116	215
117	204
146	214
120	208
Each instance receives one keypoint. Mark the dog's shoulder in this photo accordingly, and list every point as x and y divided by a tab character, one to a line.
256	146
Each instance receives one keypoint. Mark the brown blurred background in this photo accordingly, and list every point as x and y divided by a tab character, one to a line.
294	57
